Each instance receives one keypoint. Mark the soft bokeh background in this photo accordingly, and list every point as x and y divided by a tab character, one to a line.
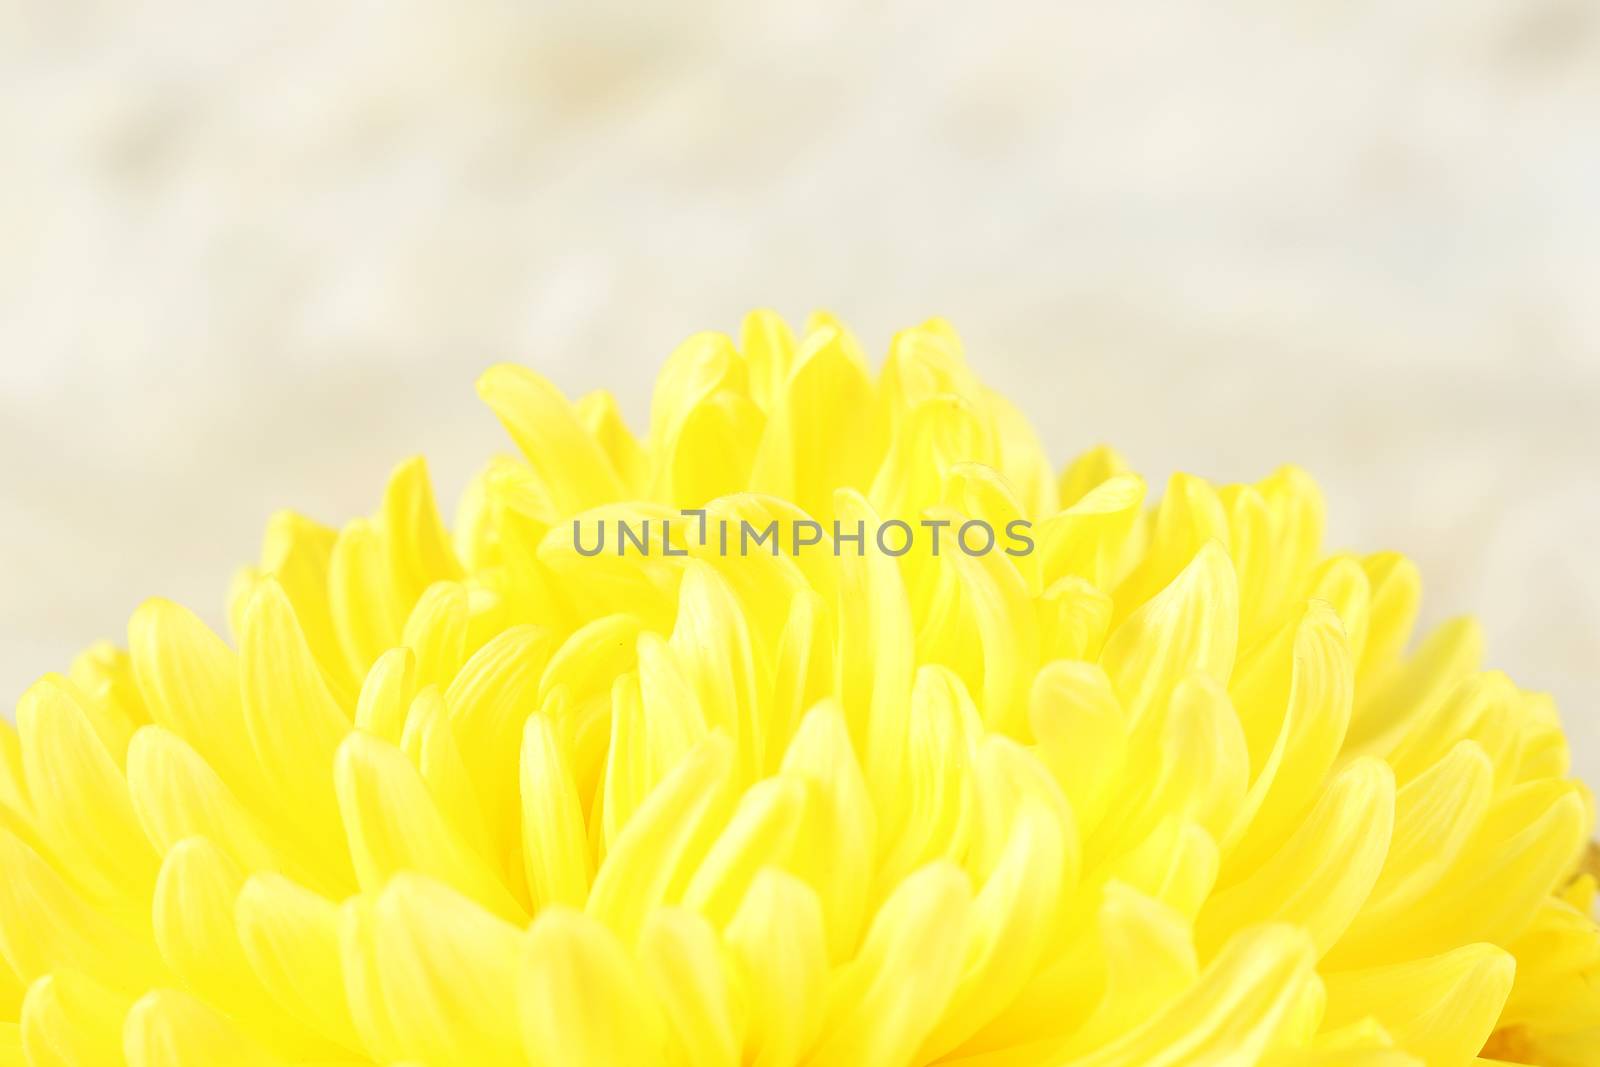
251	255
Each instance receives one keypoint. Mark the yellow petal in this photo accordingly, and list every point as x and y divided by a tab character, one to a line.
290	936
573	472
70	1020
1436	815
682	961
1091	469
45	925
80	798
416	548
889	998
820	434
583	1001
1255	551
612	574
431	745
1324	872
838	844
363	979
599	414
1149	962
190	681
690	375
294	724
297	552
1343	585
436	632
937	786
923	362
804	670
978	491
1528	844
1485	708
386	695
1294	703
1195	771
636	755
554	849
703	426
763	832
935	434
1294	514
1008	635
1012	920
366	609
1441	1009
876	659
1190	516
176	795
665	841
102	678
1022	459
1202	741
778	940
1383	715
393	825
1231	1015
1081	733
712	646
1362	1044
1396	593
589	660
768	347
1191	625
1073	619
1094	538
167	1028
656	721
488	701
1176	864
193	920
1010	777
449	974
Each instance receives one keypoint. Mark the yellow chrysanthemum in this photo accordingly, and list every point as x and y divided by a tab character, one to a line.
1160	788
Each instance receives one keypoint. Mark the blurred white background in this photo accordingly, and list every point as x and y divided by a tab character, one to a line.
251	255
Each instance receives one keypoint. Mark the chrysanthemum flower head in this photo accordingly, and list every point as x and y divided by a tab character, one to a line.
960	762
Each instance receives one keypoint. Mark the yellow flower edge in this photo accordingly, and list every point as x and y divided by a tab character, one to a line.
1167	788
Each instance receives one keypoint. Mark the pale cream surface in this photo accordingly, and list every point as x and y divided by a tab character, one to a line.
252	255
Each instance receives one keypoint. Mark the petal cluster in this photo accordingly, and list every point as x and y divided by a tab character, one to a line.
1170	787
